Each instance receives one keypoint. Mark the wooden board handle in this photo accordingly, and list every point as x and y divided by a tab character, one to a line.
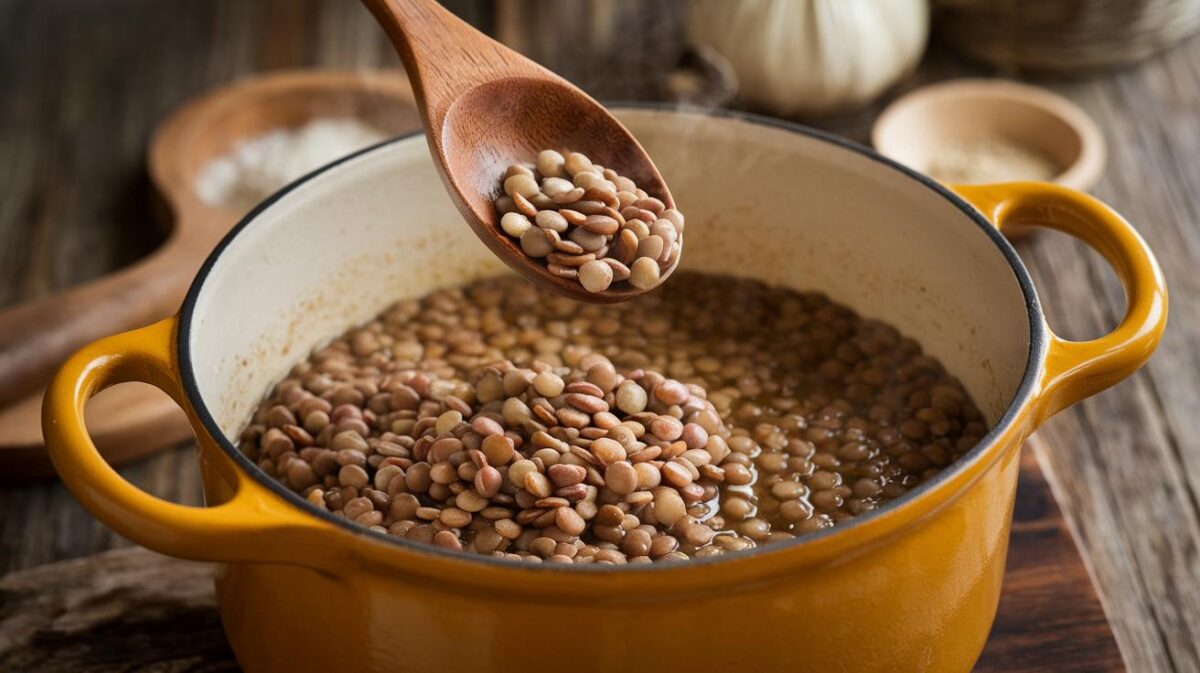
36	337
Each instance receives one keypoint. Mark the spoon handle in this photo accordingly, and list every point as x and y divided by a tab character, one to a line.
445	56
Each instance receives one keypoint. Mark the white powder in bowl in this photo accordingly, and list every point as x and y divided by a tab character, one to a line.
982	160
258	167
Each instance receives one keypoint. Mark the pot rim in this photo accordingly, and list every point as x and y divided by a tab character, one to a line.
1038	340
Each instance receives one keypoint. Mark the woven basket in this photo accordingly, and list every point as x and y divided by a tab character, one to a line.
1064	35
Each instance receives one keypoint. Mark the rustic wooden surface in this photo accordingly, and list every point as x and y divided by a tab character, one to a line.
122	610
132	609
91	79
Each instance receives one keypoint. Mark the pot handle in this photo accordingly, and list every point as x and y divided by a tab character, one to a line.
1078	369
254	524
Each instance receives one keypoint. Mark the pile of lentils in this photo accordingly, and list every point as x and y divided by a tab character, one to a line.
711	416
588	222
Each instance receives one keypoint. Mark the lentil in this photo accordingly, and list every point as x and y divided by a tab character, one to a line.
714	416
596	227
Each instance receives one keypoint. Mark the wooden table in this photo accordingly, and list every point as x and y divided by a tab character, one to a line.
85	82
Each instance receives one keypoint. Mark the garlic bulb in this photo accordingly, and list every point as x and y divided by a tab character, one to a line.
813	56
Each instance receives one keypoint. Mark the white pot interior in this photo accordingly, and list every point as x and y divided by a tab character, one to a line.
761	201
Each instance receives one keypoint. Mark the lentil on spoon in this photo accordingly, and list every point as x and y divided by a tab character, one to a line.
588	222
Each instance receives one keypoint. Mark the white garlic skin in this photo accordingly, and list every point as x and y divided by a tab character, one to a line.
796	57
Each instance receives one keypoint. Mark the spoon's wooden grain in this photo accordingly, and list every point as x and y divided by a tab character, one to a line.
485	106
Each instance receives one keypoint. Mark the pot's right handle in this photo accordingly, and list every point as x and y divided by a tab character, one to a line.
254	524
1078	369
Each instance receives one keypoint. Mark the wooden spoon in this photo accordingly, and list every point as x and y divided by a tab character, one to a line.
485	107
132	419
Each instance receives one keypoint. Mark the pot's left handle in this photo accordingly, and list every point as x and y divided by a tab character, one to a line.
252	525
1078	369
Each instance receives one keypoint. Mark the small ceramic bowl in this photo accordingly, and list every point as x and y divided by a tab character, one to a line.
913	129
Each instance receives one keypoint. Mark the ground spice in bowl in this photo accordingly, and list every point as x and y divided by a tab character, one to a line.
989	159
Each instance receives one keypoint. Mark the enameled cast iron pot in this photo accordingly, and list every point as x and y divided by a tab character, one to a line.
912	586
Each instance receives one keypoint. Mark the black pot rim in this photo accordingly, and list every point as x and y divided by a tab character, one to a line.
1037	342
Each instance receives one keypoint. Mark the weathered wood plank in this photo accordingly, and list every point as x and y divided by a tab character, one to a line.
124	610
1127	462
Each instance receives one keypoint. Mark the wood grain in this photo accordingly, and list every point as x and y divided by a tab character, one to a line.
133	608
1127	462
1050	617
74	204
36	336
124	610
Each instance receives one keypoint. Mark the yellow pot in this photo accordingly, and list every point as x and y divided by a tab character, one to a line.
912	586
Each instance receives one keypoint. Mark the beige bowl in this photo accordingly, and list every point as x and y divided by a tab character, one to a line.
914	128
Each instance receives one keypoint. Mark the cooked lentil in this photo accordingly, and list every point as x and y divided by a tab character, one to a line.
588	222
714	416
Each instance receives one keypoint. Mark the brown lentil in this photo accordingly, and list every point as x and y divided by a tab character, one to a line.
576	215
713	416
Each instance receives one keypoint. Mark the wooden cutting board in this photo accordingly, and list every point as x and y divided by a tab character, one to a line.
132	420
133	609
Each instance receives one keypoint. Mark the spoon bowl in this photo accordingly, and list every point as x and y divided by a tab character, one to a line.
485	107
509	121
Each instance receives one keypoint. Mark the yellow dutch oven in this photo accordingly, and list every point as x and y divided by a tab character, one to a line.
910	587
